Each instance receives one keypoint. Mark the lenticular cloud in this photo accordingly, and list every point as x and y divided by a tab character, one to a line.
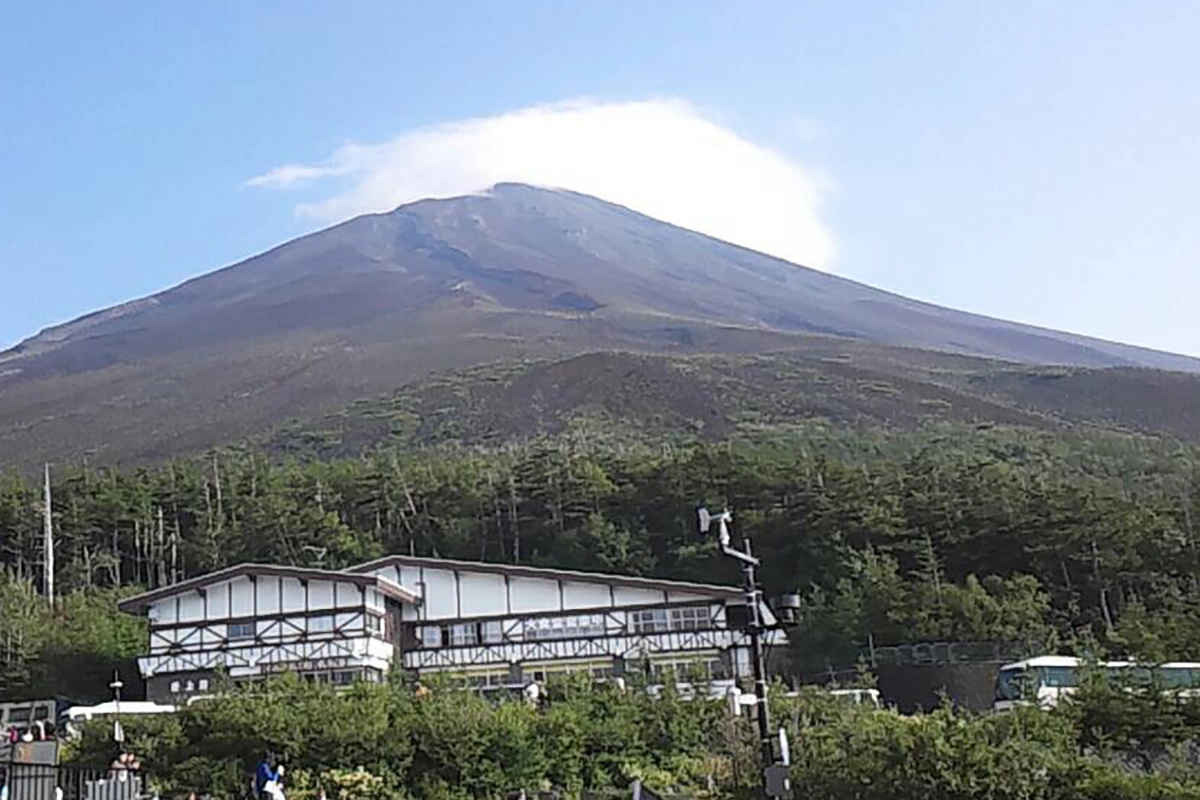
663	158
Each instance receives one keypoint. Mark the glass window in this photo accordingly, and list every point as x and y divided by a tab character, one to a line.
488	680
698	669
692	618
375	625
203	684
493	631
322	624
1179	677
344	678
241	630
464	634
1057	677
1012	684
41	713
175	687
650	620
431	636
575	626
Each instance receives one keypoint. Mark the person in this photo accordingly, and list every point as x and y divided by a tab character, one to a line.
268	779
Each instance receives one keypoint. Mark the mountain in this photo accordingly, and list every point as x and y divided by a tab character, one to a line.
384	300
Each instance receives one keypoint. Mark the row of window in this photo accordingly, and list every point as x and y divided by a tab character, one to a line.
695	670
320	624
343	677
663	620
574	626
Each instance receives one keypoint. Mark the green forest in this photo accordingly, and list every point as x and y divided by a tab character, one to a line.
1078	542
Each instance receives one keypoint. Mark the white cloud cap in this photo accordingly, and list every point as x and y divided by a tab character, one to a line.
660	157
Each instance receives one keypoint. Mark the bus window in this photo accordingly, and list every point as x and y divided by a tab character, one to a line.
41	713
1058	677
1179	677
1012	684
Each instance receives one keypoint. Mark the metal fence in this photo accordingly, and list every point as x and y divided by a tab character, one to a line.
942	653
59	782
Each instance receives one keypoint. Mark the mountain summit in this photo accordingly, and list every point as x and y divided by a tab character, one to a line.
383	299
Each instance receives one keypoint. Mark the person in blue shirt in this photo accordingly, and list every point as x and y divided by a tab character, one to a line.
267	773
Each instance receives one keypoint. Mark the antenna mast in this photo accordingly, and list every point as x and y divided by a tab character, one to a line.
48	560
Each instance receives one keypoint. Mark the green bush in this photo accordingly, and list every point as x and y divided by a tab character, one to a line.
380	742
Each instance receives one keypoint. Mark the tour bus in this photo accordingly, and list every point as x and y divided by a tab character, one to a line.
1047	679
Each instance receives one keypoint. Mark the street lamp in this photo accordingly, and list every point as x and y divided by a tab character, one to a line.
776	780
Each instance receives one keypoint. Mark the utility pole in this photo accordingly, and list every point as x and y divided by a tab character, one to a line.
776	777
48	543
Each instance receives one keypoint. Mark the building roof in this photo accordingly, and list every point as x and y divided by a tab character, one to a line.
139	602
656	584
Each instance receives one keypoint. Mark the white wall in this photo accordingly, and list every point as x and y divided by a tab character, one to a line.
460	592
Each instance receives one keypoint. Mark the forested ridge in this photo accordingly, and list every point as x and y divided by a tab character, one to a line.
1051	541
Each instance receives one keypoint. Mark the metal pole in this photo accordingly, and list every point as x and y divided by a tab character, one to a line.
757	662
48	543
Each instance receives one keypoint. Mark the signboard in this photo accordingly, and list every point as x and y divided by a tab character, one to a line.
35	753
310	665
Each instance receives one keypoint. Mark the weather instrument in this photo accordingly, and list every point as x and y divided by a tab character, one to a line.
776	782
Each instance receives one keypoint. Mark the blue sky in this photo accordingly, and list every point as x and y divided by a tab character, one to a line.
1034	161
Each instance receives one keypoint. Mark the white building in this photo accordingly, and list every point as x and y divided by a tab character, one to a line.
495	624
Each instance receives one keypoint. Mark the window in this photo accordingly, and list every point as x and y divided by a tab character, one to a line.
190	686
661	620
175	687
202	684
375	625
544	672
1058	677
687	670
691	618
492	631
650	620
572	627
464	634
344	678
322	624
487	680
1179	677
431	636
241	630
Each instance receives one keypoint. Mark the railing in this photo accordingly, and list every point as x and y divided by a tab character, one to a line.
62	782
941	653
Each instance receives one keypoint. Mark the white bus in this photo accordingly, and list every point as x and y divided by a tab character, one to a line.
1045	680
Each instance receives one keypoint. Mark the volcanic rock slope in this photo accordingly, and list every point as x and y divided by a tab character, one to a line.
384	300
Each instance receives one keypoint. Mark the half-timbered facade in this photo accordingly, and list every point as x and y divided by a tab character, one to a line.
496	625
251	621
502	625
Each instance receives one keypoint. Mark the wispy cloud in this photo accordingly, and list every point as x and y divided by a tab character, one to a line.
290	176
662	157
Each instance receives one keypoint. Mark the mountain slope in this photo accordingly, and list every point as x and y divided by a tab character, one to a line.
622	398
382	300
